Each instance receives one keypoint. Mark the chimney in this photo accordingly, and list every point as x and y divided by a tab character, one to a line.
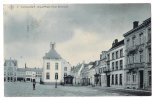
52	45
135	24
116	41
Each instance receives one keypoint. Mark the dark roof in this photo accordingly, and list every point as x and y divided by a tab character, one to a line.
77	68
10	61
52	54
117	44
145	22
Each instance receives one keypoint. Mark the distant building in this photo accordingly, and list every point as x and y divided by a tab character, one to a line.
103	68
92	72
10	69
138	55
21	74
85	80
28	74
33	73
54	67
75	72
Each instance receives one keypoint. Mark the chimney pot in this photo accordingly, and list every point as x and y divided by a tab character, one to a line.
135	24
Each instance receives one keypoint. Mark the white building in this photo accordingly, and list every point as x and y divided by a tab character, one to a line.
112	65
10	69
117	64
76	71
138	55
103	68
54	67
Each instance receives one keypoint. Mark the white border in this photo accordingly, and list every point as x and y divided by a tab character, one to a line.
70	2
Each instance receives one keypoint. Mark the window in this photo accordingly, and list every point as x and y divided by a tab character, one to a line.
116	79
121	64
133	58
47	76
112	65
116	54
149	76
141	56
116	65
112	80
56	66
56	75
149	35
48	65
65	68
65	74
149	55
134	77
133	41
128	59
120	79
128	77
108	56
127	42
121	53
112	56
141	38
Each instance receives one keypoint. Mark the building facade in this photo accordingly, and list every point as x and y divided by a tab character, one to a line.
10	70
28	74
138	55
54	67
75	72
103	68
117	64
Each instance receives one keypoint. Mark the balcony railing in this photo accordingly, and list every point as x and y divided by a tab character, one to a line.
105	70
132	49
135	65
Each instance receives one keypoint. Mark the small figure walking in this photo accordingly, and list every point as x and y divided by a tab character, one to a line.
34	84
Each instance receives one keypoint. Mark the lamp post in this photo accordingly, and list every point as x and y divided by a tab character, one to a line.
56	77
56	83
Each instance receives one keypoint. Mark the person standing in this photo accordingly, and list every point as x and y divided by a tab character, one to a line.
34	84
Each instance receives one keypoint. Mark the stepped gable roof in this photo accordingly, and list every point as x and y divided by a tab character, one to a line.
52	54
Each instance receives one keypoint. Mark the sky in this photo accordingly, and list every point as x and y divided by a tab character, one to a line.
81	32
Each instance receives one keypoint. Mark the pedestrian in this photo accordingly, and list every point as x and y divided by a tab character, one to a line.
34	84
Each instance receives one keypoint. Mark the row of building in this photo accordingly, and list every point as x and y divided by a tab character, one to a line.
127	64
54	69
12	73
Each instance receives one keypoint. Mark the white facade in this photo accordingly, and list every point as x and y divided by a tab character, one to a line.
76	71
117	65
54	67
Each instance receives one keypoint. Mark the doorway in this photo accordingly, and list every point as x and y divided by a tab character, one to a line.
108	80
141	73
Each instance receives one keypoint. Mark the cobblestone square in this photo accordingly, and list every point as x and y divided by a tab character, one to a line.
22	89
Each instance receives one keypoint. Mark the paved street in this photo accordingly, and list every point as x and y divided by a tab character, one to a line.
22	89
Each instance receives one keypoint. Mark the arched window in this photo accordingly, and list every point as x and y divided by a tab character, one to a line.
47	75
